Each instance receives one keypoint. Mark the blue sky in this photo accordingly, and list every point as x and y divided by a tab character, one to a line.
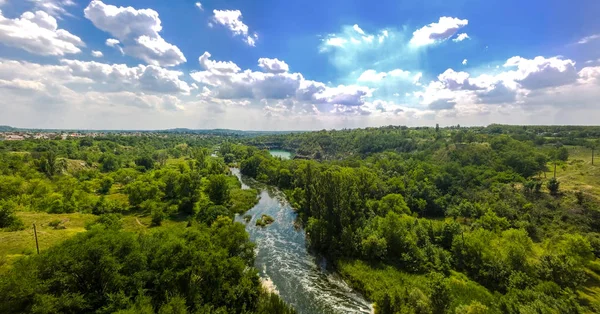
156	64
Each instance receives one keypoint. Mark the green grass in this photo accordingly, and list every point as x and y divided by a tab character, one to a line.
578	174
374	281
22	243
19	243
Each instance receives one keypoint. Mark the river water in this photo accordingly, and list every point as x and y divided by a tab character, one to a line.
285	264
283	154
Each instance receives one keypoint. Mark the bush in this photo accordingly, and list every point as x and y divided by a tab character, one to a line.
157	216
57	224
553	185
109	221
105	185
264	221
8	218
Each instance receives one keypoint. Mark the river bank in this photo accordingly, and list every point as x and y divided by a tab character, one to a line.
285	264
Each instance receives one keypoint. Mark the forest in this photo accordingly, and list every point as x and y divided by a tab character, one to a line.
497	219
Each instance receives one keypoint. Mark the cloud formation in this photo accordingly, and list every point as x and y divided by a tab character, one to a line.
137	30
232	20
433	33
53	7
38	33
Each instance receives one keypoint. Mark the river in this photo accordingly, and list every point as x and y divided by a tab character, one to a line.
285	264
283	154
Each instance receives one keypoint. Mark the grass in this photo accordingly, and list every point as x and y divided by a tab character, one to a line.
375	280
578	174
22	243
18	243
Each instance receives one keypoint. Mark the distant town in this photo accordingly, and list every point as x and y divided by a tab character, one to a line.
15	134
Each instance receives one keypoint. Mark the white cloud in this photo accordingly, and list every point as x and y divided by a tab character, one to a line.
355	35
97	54
465	61
137	30
225	80
587	39
38	33
232	20
149	78
542	72
199	6
374	76
358	29
273	65
336	41
115	43
433	33
2	2
461	37
53	7
111	42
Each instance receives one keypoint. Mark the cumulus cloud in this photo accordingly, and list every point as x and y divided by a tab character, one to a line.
273	65
433	33
542	72
38	33
97	54
541	82
111	42
137	30
291	91
119	76
465	61
199	6
461	37
232	20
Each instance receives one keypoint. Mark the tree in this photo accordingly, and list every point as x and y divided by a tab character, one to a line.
158	215
8	218
145	162
105	184
218	189
50	164
439	293
109	162
553	186
161	157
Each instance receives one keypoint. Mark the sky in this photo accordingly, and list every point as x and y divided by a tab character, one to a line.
297	65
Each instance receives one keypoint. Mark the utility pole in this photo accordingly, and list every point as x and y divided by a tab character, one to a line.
593	155
37	246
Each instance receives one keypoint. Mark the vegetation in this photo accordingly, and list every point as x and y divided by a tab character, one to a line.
93	201
420	220
264	220
448	213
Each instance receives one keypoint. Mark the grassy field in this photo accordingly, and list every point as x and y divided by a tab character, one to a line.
578	174
22	243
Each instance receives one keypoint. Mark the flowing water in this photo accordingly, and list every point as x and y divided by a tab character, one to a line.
286	266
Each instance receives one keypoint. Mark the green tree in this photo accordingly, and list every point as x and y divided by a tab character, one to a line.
218	189
553	186
145	162
109	162
105	184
